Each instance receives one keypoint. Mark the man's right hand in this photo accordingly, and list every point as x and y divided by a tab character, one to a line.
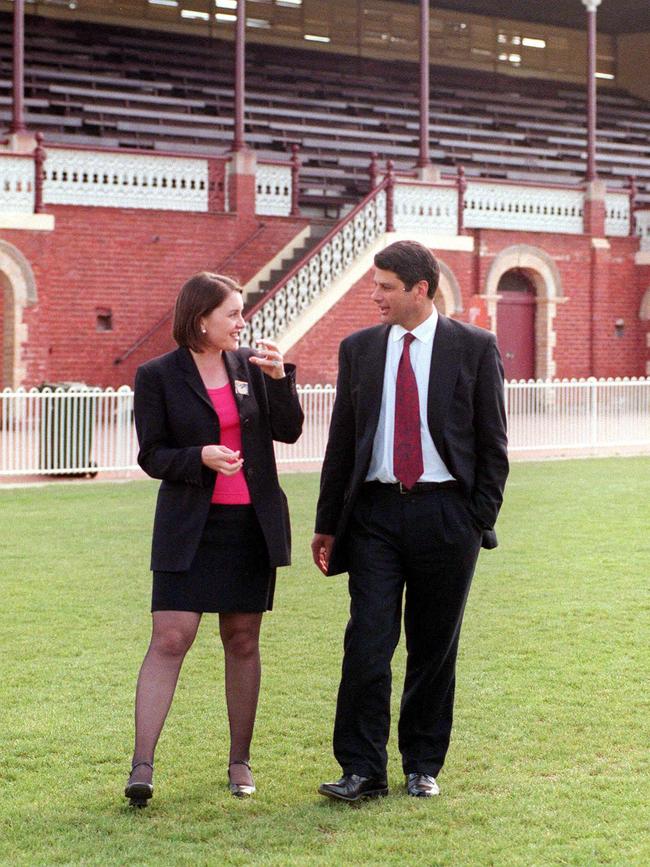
321	548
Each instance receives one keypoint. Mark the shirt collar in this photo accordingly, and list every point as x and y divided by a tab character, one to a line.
424	332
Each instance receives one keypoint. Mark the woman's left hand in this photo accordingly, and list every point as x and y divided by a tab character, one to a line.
270	359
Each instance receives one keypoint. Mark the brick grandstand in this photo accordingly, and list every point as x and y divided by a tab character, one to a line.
123	87
141	190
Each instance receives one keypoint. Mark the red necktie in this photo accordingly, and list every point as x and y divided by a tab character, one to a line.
408	465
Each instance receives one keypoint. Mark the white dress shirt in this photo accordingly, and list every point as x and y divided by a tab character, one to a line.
381	462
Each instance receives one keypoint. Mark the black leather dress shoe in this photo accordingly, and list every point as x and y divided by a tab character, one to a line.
352	787
421	785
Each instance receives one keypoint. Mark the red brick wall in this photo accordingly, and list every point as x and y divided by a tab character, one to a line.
644	286
132	262
617	293
4	348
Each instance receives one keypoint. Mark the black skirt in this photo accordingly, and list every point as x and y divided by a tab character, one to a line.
230	571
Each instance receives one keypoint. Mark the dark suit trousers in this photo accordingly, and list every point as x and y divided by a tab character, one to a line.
427	545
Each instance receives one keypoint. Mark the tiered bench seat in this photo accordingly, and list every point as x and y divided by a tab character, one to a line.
118	87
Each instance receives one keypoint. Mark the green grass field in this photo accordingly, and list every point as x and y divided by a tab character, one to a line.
549	759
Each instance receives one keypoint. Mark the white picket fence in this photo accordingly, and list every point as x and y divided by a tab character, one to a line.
83	431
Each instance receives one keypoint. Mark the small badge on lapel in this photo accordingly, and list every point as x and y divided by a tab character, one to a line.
241	387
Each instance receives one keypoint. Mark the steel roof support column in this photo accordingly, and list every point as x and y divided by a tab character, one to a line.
18	119
239	143
423	159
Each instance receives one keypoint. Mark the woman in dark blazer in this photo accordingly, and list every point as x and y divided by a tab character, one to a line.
206	416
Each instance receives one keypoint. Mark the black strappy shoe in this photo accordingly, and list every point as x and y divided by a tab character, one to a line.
240	790
139	793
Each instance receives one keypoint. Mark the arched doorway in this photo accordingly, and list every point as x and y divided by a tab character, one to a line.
448	298
17	291
6	358
516	324
541	272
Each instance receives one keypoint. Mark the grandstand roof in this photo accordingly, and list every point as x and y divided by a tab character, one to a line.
614	16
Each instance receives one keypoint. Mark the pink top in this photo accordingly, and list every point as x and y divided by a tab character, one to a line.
228	490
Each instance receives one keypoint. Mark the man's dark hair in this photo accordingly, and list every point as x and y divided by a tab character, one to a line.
411	262
198	298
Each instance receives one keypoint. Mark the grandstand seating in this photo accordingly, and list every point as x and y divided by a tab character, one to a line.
118	87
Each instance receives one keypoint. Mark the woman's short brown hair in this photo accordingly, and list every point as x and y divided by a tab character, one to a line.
198	298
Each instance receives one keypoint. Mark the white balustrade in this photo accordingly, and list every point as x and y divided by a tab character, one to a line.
617	214
83	431
115	180
425	207
532	209
273	190
16	184
563	415
71	431
643	228
317	274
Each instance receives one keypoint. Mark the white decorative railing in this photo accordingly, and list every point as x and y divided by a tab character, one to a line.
532	209
643	228
617	214
125	180
564	415
273	190
424	206
17	184
325	264
72	431
83	431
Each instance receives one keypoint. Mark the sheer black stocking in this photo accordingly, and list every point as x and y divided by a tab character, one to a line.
173	634
240	636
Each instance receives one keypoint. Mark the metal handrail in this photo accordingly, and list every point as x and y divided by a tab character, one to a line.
317	249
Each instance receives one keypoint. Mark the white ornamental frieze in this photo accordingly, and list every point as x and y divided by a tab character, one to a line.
118	180
617	214
16	184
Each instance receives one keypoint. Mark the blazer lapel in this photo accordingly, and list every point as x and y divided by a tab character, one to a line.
239	380
371	385
191	375
445	367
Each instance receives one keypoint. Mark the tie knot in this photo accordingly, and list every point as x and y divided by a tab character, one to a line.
408	339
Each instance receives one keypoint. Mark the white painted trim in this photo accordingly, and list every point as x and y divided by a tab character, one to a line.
642	257
285	253
433	241
600	243
31	222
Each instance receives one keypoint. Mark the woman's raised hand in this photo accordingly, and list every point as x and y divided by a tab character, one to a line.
270	359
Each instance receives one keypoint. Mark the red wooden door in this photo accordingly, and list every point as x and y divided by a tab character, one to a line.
516	332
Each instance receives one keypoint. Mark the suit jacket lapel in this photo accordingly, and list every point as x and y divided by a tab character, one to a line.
371	385
238	373
191	374
445	367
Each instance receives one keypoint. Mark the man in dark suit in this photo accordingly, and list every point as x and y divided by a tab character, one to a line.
411	486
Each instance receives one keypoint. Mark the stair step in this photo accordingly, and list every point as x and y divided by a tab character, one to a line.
319	228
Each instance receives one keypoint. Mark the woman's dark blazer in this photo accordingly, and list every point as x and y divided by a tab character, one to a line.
174	419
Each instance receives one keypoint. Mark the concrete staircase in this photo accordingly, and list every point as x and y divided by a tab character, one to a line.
257	289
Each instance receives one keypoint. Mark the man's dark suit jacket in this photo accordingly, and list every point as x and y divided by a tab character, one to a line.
175	418
465	413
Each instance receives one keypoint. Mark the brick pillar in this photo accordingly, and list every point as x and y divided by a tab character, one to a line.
594	209
601	324
643	271
217	178
241	182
